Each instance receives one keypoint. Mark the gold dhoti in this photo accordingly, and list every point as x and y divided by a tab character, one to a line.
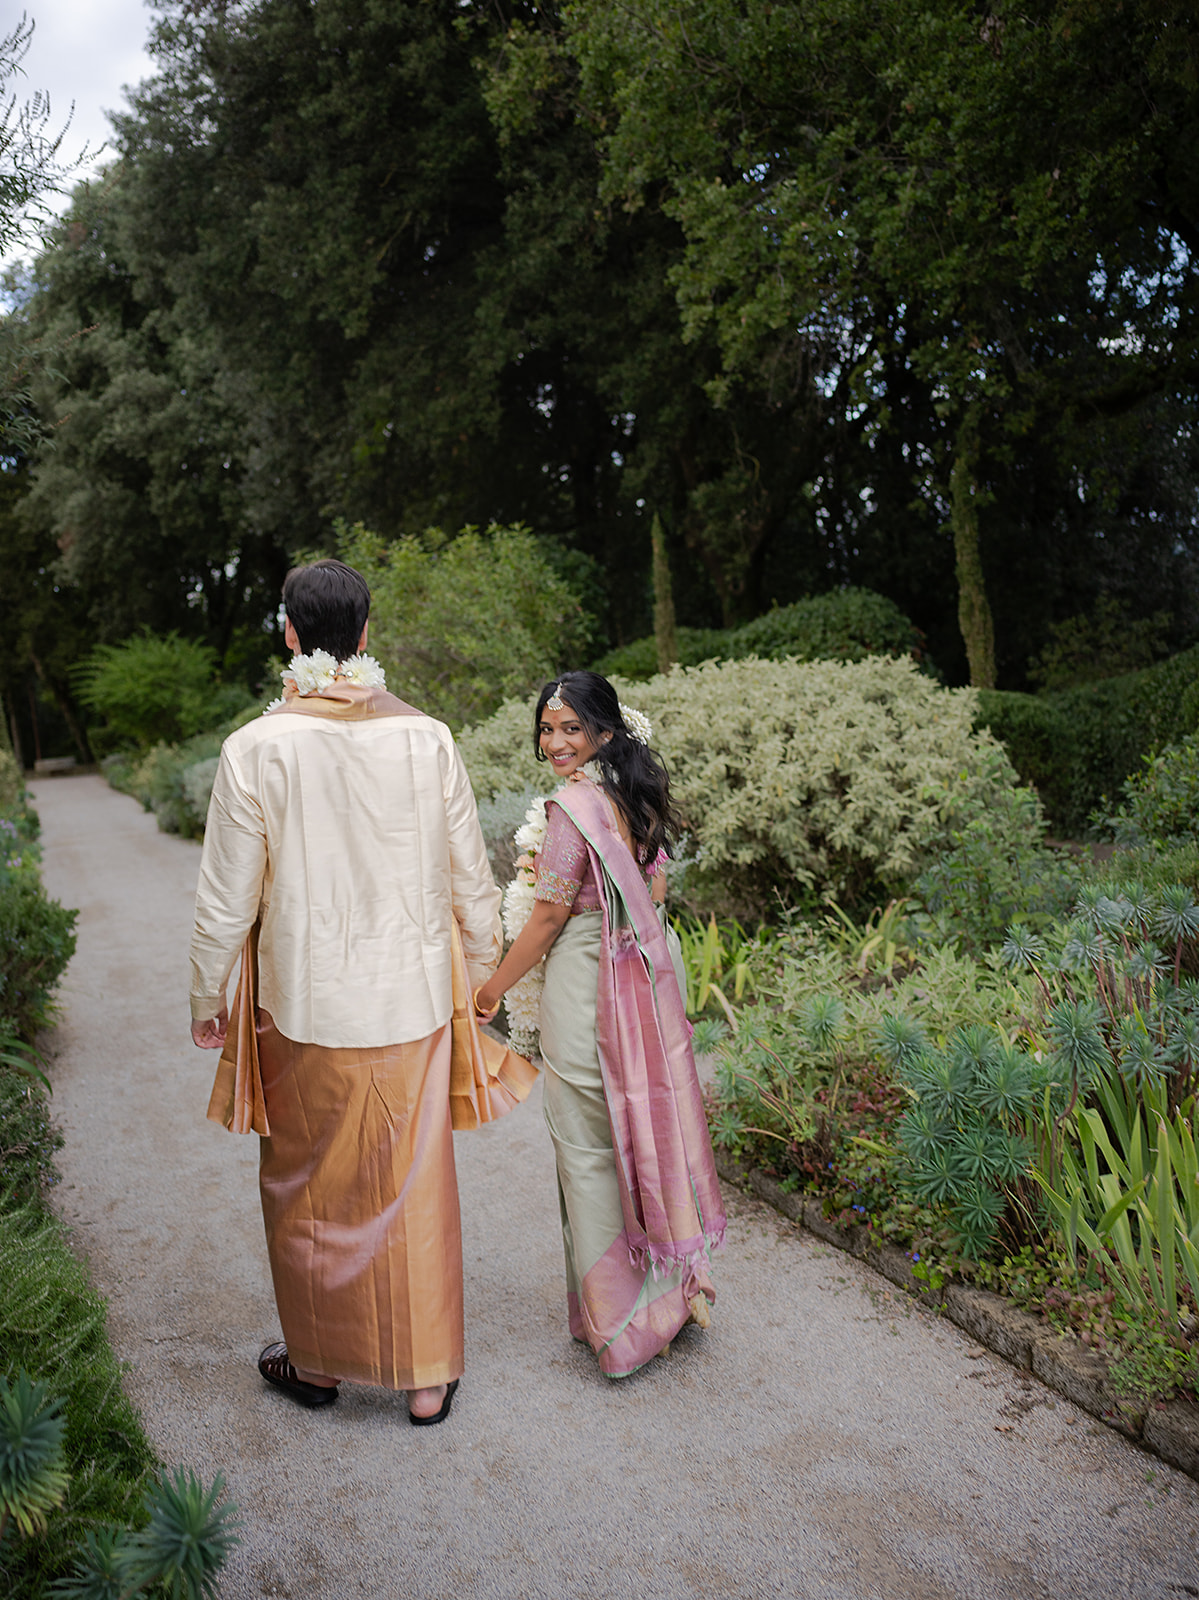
360	1201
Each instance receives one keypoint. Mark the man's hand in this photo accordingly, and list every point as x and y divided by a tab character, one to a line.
210	1034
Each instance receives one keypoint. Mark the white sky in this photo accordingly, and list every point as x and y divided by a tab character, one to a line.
82	51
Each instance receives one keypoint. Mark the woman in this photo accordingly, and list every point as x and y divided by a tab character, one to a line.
637	1184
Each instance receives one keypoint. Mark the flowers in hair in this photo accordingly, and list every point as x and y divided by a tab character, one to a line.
523	1000
309	674
638	724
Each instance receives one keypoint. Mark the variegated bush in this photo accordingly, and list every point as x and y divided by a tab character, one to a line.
796	779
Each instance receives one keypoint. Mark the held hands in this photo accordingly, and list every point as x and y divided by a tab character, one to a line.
210	1033
485	1007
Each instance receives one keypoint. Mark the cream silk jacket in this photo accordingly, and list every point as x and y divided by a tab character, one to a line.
354	843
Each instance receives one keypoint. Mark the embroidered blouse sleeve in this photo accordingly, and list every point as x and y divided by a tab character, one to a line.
561	861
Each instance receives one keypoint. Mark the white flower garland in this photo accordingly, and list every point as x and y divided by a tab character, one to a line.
311	673
523	1000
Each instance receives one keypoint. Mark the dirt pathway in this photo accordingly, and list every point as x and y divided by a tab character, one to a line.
823	1441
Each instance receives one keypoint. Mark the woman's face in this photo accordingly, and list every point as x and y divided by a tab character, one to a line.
563	741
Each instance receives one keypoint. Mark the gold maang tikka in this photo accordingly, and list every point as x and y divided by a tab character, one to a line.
555	701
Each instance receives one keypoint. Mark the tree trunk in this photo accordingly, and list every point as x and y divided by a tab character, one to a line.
664	629
974	609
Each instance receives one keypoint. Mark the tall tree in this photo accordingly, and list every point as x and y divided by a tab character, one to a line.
1003	189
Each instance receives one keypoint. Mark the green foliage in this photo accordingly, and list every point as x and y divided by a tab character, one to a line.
499	817
809	1083
966	1139
1132	1200
28	1140
996	869
12	782
152	689
33	1479
795	779
1078	746
967	185
843	625
1161	805
173	781
37	940
52	1324
1104	643
717	961
180	1553
638	661
461	623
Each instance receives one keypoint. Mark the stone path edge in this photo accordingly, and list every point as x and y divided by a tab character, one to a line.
1170	1429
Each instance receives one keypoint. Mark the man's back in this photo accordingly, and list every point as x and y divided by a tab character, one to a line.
356	841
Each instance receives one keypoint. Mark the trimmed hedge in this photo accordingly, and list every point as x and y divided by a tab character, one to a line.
843	625
1079	746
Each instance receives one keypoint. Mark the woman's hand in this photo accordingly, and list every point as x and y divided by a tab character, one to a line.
485	1005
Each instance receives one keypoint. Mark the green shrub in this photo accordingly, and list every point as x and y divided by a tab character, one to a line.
155	688
499	817
1039	739
1162	801
1105	643
12	782
843	625
996	870
796	780
1078	746
639	660
175	781
28	1140
37	940
52	1324
460	623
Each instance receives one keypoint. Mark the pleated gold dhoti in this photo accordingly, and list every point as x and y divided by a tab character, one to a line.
360	1201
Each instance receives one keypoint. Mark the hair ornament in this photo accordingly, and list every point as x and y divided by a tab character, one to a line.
555	701
638	724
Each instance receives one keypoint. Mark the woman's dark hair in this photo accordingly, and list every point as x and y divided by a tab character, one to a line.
633	774
327	603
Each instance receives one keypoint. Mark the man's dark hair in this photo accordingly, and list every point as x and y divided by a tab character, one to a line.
327	603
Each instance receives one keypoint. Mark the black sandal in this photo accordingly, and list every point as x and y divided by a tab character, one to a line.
277	1369
438	1416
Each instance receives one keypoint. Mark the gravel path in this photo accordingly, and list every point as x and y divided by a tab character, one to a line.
824	1440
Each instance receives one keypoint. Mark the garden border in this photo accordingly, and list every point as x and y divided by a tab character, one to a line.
1168	1428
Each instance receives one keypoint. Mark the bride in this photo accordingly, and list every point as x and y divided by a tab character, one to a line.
637	1185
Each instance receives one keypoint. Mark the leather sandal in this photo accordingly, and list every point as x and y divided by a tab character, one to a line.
438	1416
277	1369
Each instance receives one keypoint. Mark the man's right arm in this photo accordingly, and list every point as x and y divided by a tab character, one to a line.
228	894
476	897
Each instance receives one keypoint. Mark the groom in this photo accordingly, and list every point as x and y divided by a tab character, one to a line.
342	828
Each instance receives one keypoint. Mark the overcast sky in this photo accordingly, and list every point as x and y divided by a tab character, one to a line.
82	51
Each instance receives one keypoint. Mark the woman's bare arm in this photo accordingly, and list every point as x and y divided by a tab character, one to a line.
546	921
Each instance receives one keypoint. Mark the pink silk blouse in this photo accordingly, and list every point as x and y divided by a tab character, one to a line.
565	876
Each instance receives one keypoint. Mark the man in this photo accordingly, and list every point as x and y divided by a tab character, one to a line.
343	828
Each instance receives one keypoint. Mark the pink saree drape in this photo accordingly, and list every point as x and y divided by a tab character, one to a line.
631	1277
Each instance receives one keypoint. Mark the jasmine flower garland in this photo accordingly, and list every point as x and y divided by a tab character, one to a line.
309	674
523	1000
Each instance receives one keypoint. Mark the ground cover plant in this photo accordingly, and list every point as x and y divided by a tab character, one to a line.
1019	1113
80	1503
